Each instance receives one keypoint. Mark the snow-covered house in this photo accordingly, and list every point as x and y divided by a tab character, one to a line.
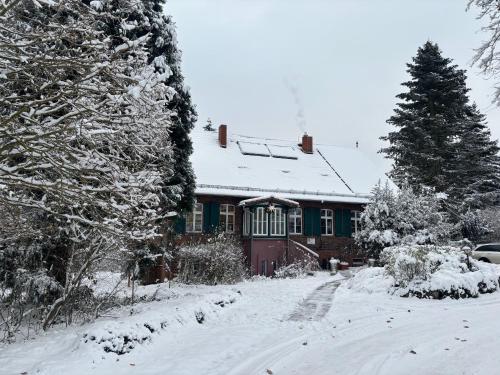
279	195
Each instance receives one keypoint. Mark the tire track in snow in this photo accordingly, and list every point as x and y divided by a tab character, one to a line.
313	308
317	304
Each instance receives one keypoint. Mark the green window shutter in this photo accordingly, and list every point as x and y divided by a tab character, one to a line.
180	225
308	227
211	214
214	216
206	217
312	221
316	212
339	223
347	223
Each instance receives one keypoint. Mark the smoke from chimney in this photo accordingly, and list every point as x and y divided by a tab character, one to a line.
300	117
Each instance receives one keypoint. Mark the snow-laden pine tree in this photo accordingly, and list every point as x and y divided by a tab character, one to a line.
442	141
84	135
163	44
476	178
149	23
378	221
209	126
428	121
419	217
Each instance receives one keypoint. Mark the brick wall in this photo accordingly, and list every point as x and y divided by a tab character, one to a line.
342	248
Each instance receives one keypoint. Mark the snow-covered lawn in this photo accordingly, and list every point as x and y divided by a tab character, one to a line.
285	326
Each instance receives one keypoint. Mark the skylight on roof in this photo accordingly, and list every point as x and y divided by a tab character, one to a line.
283	152
256	149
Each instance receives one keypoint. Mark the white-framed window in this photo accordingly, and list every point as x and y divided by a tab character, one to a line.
278	222
226	218
260	222
355	222
295	221
247	222
194	219
326	222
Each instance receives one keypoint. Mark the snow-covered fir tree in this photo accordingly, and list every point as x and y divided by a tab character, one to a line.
476	181
378	221
428	120
209	127
163	45
442	140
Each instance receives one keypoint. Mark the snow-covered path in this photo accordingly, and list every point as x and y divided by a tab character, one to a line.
287	327
317	304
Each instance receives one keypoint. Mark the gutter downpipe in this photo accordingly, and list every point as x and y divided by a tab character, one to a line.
251	241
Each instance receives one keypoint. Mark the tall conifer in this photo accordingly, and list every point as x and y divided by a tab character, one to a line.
428	120
441	140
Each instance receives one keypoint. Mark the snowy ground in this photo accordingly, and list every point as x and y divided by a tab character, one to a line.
303	326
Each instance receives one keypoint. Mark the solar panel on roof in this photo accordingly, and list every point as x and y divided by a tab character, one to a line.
256	149
283	152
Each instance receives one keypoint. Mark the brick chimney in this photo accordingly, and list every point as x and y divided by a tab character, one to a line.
307	144
223	136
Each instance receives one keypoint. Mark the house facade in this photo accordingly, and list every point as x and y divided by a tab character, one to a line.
282	198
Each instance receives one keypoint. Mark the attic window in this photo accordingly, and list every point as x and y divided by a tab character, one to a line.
267	150
255	149
282	152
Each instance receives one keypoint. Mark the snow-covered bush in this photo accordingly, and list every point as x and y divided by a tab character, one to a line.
219	260
299	268
492	216
474	225
369	280
403	217
429	271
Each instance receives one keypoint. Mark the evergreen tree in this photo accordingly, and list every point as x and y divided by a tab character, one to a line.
428	121
150	21
163	44
146	24
378	221
209	126
477	175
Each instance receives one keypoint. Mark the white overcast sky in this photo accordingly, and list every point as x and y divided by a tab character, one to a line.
343	59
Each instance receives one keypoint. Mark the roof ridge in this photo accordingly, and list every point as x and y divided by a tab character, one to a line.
262	138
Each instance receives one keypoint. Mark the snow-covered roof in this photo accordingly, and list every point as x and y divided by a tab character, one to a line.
268	199
253	167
